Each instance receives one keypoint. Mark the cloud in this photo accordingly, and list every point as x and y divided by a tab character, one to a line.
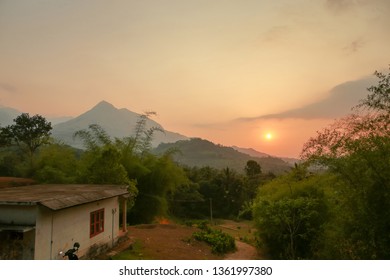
339	5
7	88
338	103
354	46
275	33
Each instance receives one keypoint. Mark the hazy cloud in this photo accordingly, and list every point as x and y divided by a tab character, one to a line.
354	46
275	33
339	5
339	102
7	88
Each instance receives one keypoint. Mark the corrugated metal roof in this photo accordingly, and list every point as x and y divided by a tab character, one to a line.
58	197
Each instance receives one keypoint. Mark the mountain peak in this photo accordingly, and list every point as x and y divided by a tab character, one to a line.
104	104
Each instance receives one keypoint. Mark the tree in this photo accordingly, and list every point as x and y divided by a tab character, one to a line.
129	159
253	179
57	163
101	163
28	133
290	213
106	168
252	168
155	187
378	98
357	149
185	201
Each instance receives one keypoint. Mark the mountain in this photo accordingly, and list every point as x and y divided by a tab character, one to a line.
251	152
199	152
121	123
254	153
57	120
116	122
7	115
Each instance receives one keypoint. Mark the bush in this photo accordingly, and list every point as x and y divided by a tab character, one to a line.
221	243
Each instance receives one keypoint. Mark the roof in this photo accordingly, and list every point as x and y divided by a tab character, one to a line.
58	197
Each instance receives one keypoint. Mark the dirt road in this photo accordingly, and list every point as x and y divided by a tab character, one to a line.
244	252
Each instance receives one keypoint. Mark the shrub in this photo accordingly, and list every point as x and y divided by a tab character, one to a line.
219	241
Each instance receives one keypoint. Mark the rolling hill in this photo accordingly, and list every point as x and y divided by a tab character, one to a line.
199	152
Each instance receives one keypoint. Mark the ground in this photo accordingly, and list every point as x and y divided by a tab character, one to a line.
174	242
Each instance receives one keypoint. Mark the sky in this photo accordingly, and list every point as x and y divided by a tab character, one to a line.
230	71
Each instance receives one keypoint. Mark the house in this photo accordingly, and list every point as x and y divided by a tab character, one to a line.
41	221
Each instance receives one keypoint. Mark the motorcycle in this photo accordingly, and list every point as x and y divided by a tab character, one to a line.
71	252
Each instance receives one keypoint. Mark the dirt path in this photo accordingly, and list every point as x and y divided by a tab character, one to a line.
244	252
174	242
164	242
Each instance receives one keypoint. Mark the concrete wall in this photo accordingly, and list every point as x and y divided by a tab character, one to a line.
57	231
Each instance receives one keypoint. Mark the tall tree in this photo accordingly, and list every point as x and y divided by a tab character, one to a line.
252	168
28	133
357	148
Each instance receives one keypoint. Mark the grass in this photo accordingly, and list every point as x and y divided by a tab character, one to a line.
243	230
134	252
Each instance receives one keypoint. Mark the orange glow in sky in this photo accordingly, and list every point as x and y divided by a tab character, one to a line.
222	70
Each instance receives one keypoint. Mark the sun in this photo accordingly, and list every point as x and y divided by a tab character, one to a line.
268	136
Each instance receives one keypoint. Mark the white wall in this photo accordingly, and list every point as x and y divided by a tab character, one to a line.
57	231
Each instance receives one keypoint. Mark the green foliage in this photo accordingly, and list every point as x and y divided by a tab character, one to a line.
356	149
106	168
56	163
227	192
246	211
220	242
163	177
185	200
252	168
379	97
120	161
134	252
253	179
94	137
101	163
290	214
12	162
201	153
28	134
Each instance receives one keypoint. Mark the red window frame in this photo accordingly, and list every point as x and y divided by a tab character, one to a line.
96	224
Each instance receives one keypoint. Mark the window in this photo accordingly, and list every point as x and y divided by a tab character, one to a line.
96	222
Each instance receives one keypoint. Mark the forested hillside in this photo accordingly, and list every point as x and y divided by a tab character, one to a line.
200	153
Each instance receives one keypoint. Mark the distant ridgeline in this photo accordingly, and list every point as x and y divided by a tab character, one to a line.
200	153
191	152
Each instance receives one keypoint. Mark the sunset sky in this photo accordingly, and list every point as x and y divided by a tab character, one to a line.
228	71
